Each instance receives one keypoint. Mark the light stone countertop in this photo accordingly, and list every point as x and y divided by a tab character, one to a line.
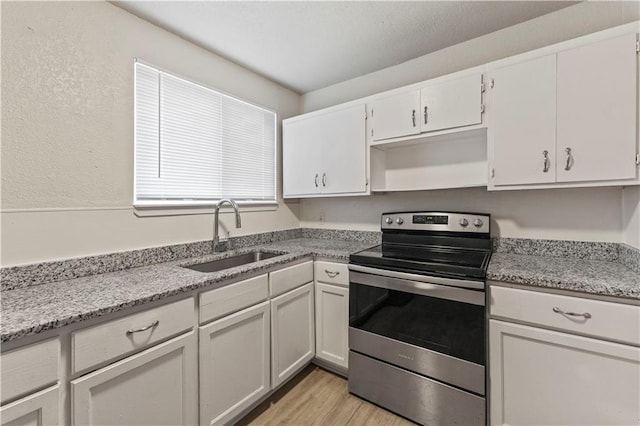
597	277
34	309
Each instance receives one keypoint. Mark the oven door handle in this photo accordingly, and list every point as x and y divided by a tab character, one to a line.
455	294
476	285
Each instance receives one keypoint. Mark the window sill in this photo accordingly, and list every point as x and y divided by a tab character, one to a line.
173	210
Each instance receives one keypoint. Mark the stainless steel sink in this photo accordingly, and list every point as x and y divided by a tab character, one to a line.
231	262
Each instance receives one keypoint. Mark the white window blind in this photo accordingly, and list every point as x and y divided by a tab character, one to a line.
194	145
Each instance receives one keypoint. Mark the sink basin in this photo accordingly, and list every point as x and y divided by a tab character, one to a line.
231	262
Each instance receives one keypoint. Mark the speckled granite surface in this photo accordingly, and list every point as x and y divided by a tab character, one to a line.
582	275
369	237
557	248
30	310
629	257
39	273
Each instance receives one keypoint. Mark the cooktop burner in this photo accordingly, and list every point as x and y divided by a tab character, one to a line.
442	244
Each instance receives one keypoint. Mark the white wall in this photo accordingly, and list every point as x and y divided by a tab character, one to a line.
554	214
631	216
571	22
591	214
67	130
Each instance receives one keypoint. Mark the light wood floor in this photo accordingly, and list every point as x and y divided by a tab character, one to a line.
317	397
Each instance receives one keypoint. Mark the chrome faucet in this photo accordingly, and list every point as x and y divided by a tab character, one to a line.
216	237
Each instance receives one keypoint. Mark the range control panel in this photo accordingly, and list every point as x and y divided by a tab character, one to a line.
437	221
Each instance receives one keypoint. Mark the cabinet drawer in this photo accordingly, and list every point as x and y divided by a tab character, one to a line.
103	342
27	369
232	298
607	320
289	278
332	273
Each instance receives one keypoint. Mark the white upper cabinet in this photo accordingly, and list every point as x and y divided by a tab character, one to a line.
301	151
597	111
451	104
523	122
568	117
439	105
325	153
396	115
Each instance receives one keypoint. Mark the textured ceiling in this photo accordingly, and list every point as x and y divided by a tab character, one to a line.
309	45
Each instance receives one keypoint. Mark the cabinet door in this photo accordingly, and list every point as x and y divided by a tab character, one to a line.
597	111
396	115
545	377
344	151
38	409
301	156
523	122
234	364
292	331
451	104
154	387
332	324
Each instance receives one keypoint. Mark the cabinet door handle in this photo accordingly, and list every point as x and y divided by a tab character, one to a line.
557	310
331	274
138	330
413	117
316	180
426	115
547	162
569	164
324	179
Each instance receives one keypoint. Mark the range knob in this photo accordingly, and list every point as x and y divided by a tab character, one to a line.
464	222
478	223
399	221
388	221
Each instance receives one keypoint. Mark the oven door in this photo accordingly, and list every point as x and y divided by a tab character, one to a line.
430	325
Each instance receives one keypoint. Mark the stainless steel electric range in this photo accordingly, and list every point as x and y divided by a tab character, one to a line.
417	343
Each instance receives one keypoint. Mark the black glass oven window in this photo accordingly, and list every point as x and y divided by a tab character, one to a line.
453	328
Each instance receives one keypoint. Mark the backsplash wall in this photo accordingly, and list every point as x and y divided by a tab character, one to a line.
584	214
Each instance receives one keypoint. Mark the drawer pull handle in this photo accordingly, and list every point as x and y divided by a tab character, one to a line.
332	274
557	310
137	330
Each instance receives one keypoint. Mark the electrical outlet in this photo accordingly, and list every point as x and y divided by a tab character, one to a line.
322	218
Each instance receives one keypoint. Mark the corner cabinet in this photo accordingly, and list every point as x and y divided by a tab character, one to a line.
567	117
30	385
38	409
324	153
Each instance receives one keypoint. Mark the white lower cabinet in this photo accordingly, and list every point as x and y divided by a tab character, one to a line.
292	332
155	387
566	376
332	324
38	409
544	377
234	363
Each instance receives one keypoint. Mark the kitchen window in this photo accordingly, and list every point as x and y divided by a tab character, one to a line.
195	146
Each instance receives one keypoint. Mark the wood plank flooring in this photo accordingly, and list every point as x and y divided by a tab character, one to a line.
318	397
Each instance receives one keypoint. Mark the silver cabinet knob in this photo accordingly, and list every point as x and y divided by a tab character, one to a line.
399	221
388	221
464	222
478	223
